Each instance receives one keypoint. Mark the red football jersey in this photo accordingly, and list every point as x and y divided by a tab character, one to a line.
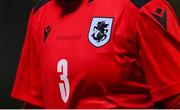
101	54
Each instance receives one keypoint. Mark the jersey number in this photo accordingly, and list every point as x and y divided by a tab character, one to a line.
62	68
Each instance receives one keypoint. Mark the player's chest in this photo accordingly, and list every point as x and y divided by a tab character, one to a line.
93	39
92	29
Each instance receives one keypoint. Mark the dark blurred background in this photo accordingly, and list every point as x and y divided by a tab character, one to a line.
13	19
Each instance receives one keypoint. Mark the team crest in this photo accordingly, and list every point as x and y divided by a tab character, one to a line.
100	31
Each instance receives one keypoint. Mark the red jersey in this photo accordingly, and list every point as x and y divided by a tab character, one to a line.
101	54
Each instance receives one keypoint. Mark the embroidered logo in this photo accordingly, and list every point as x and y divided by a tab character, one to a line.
100	31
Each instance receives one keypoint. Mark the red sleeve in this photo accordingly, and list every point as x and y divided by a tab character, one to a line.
158	34
27	85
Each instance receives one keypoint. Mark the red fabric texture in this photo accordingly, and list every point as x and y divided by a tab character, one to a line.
138	66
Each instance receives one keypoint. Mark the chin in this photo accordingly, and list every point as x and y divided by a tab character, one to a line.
69	6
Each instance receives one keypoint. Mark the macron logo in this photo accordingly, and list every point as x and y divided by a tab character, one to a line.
47	30
161	16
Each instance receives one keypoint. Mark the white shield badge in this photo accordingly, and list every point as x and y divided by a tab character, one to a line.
100	31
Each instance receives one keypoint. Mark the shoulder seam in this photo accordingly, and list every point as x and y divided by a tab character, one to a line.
39	4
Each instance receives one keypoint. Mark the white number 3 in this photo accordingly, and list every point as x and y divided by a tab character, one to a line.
62	67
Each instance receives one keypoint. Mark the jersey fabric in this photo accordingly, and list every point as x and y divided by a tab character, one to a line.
103	54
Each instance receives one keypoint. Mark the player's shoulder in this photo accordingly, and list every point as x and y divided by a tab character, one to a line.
41	4
44	9
156	10
149	4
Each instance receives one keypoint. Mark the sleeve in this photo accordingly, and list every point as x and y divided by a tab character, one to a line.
158	34
28	84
